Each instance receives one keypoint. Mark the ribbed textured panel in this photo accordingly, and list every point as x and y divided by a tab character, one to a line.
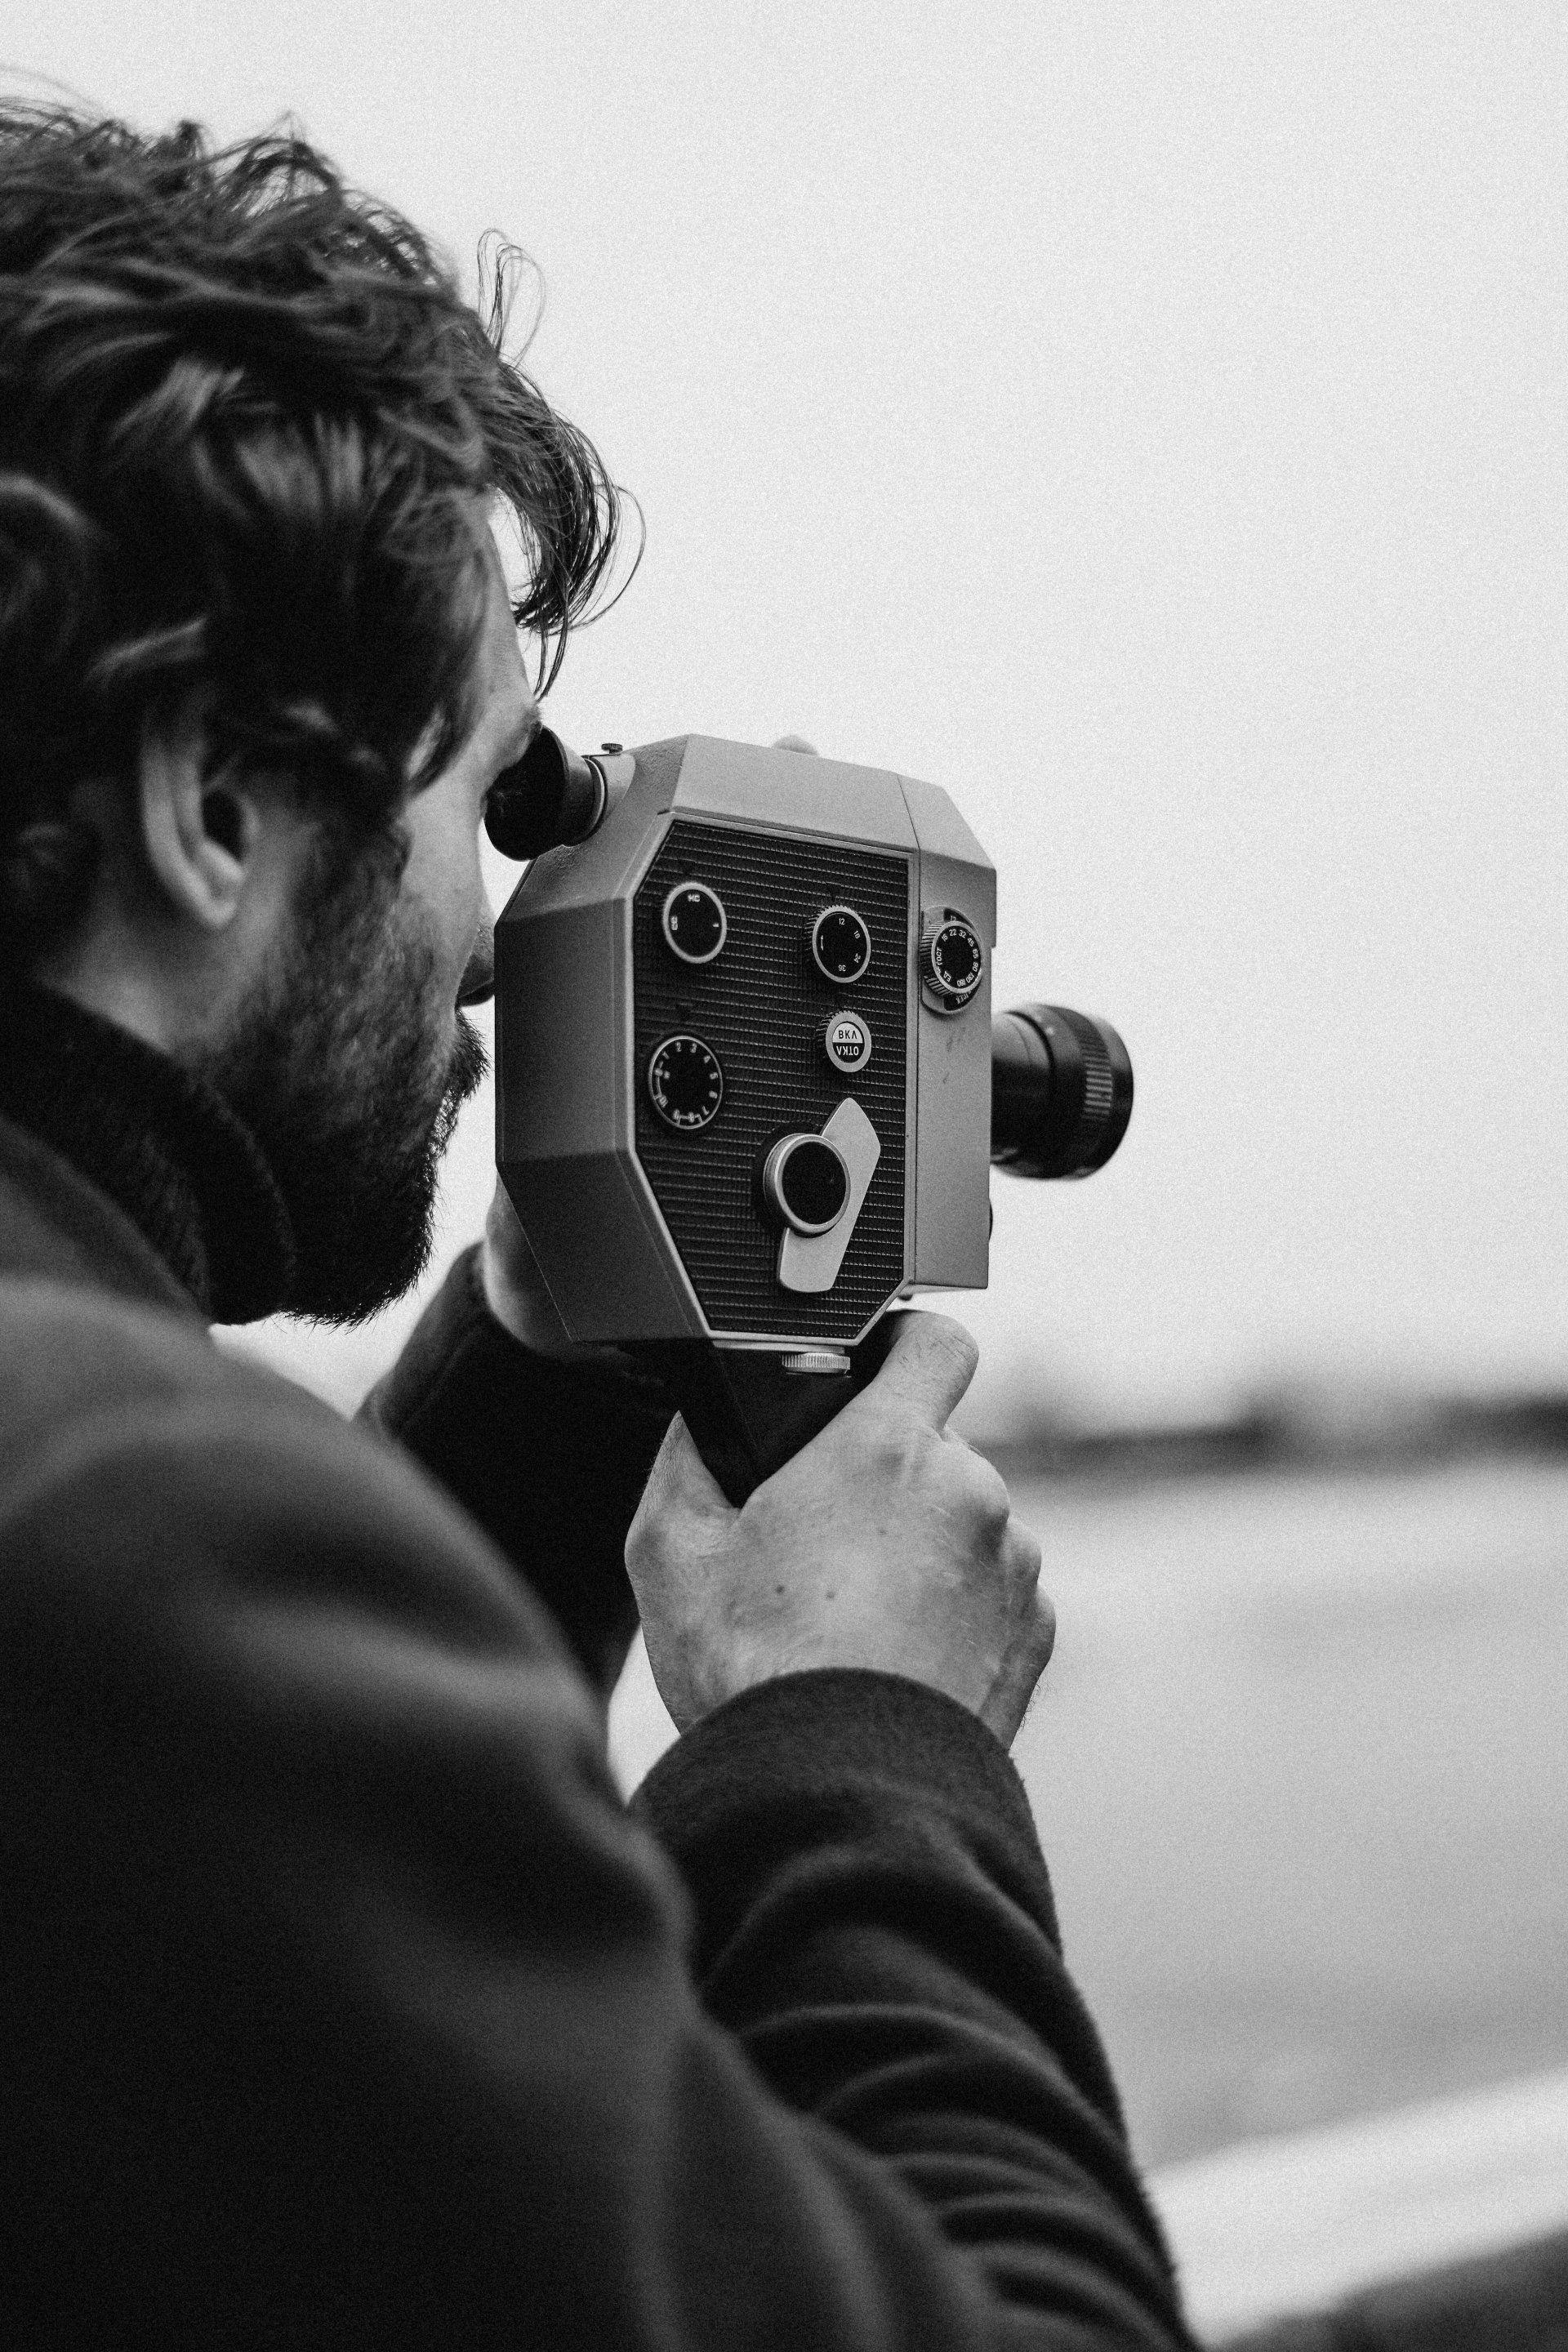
761	1007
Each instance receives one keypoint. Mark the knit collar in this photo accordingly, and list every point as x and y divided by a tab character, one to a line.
160	1142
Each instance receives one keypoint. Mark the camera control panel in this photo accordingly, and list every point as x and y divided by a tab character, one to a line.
743	1042
776	1145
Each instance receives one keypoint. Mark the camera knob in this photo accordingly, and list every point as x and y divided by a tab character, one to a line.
951	961
845	1041
840	943
805	1183
694	923
685	1082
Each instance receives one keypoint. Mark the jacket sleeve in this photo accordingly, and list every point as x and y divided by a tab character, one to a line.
875	1926
345	2003
550	1458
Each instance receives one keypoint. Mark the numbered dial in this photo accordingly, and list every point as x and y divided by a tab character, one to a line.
952	960
685	1082
694	922
841	945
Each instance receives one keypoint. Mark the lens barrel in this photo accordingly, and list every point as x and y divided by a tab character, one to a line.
1061	1091
551	795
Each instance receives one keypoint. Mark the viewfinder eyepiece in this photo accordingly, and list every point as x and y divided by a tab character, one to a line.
551	796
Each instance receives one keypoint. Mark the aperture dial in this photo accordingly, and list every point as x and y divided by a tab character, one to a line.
685	1082
952	960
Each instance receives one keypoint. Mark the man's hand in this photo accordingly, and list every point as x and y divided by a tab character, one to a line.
517	1297
885	1544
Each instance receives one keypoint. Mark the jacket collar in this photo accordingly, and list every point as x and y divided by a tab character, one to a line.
119	1166
55	1225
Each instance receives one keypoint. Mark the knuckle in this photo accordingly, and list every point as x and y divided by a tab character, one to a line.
655	1524
639	1551
645	1536
983	1488
1030	1550
1025	1560
992	1495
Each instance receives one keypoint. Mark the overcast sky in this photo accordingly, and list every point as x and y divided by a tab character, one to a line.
1147	421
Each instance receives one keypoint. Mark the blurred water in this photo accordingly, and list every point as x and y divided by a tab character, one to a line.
1300	1771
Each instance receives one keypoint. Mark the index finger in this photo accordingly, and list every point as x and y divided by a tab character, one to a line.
929	1365
680	1487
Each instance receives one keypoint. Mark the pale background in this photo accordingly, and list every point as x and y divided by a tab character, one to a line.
1147	421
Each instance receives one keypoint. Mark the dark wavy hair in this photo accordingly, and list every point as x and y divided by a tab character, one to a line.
242	411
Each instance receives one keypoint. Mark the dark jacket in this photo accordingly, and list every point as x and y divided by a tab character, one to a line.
342	2000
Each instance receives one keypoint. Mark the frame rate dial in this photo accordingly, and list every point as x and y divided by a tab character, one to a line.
685	1082
840	944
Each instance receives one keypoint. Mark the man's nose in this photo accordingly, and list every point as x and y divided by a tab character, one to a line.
478	984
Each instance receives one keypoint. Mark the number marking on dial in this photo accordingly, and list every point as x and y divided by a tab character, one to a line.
685	1082
952	960
840	944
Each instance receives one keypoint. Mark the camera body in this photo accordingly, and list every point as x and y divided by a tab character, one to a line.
744	1053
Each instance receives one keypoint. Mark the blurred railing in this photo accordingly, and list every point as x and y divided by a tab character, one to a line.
1512	2302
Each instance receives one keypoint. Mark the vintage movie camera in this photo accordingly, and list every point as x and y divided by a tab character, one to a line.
748	1087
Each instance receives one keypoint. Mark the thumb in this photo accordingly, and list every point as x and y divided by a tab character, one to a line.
682	1500
927	1367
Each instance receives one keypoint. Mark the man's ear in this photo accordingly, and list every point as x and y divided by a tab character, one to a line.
199	834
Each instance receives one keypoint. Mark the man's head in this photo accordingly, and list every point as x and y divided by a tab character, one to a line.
347	1053
257	661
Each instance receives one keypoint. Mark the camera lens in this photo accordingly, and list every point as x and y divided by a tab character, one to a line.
1061	1091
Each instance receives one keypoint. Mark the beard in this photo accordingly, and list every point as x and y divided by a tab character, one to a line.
340	1067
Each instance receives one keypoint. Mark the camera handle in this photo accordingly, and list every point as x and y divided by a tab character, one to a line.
748	1412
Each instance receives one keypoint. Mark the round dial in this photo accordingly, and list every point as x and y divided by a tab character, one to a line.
953	958
694	922
805	1182
685	1082
840	944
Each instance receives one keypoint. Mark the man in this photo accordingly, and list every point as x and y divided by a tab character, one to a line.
342	2000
